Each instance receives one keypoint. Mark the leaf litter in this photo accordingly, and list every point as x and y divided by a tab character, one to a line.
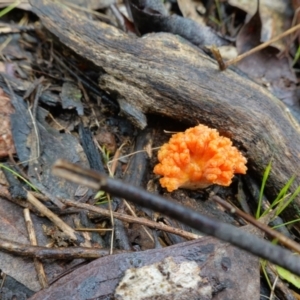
265	67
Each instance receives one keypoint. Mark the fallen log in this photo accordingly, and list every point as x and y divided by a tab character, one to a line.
165	75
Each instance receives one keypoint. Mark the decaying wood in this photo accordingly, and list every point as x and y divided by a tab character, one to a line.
165	75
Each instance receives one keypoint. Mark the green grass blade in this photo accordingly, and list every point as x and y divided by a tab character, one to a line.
219	11
281	196
284	190
215	20
297	56
263	267
19	176
286	223
288	276
282	207
263	184
99	194
7	9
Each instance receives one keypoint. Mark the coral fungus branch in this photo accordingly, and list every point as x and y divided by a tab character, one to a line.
197	158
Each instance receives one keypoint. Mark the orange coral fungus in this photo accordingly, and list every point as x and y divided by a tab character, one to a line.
197	158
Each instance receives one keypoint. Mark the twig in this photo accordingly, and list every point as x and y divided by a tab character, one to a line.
38	265
86	235
281	287
225	232
52	217
93	229
132	219
112	224
223	65
134	214
218	57
273	288
4	193
271	232
40	196
3	278
52	253
44	190
119	17
35	148
112	168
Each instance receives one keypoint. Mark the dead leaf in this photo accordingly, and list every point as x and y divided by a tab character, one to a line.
13	226
249	35
21	268
190	8
107	140
71	97
276	17
6	140
265	66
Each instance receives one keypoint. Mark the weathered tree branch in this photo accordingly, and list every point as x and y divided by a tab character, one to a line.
164	74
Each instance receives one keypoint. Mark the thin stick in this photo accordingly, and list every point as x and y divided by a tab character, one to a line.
51	216
93	229
268	230
52	253
3	275
4	193
133	153
134	214
261	46
112	224
43	190
38	265
136	220
273	288
112	167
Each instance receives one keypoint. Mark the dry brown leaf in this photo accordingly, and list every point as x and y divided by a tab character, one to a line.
275	15
6	140
189	10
